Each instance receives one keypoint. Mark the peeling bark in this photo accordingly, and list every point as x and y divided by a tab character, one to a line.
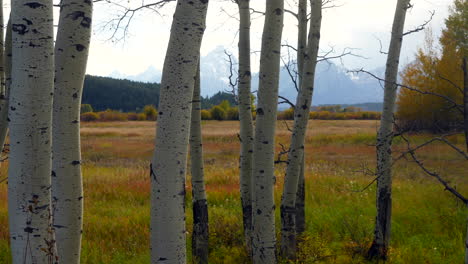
168	239
264	241
296	149
71	55
30	115
199	204
379	247
245	118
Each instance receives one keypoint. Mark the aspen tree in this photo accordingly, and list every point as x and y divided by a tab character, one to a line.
71	55
3	89
301	53
30	115
5	76
199	204
379	246
301	118
264	241
245	118
168	240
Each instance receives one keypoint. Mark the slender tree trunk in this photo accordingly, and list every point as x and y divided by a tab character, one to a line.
379	246
199	204
301	52
264	143
71	55
168	167
3	88
465	99
300	199
296	151
246	123
30	115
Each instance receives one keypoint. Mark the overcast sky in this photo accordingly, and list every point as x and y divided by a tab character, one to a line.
355	24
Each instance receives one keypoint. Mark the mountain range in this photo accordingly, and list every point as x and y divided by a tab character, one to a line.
333	83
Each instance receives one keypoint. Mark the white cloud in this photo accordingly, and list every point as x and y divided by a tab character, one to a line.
356	24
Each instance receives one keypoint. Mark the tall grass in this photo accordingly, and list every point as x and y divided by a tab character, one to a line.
428	223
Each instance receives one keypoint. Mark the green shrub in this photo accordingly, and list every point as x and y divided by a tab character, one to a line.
141	117
112	115
205	115
150	112
218	113
287	114
86	108
89	116
233	113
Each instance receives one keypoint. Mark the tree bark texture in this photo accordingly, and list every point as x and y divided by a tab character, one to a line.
5	74
465	99
301	53
246	122
71	55
379	247
296	149
168	240
300	199
264	241
30	115
199	204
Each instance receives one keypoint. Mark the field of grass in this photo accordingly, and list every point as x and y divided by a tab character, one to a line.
429	225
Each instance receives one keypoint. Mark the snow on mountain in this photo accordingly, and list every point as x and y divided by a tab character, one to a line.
333	84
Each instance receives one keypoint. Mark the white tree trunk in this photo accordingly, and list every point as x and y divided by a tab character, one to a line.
30	114
199	204
71	55
3	87
245	118
264	241
170	156
301	49
379	246
296	151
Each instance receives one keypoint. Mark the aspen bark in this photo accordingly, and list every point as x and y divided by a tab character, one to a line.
71	55
300	199
168	240
379	246
301	53
465	99
199	204
6	83
30	115
245	118
296	151
264	143
3	88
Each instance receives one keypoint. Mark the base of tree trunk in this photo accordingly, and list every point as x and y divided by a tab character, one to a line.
200	232
288	233
377	251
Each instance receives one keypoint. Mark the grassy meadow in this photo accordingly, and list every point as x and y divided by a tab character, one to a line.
428	226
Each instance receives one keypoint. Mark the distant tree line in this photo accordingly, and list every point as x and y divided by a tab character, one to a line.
104	93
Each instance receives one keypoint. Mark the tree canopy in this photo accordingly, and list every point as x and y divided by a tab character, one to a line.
437	78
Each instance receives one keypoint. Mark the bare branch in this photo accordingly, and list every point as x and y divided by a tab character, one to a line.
448	99
286	101
422	26
232	81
